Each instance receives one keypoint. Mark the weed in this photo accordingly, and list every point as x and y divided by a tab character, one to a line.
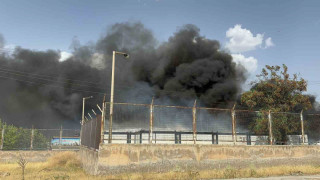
230	172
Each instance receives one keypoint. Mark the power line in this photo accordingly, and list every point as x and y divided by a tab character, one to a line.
4	77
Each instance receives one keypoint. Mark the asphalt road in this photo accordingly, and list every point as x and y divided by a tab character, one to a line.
313	177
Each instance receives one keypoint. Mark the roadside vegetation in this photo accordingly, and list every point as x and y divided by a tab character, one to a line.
66	165
17	138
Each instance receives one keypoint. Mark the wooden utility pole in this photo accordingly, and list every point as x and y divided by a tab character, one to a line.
194	122
270	128
103	116
151	121
233	116
302	127
31	139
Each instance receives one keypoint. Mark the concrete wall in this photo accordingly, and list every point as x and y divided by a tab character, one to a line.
122	158
31	156
89	159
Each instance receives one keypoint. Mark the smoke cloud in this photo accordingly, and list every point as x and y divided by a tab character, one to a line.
186	67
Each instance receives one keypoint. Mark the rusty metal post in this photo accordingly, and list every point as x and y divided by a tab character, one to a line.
270	128
103	115
60	138
302	127
31	138
151	121
2	137
234	133
194	122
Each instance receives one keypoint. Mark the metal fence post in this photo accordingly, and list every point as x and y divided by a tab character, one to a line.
302	127
234	134
270	127
217	137
103	118
151	122
2	137
212	138
248	138
194	122
31	138
60	138
140	132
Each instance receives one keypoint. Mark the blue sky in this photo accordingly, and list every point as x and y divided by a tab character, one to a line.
292	26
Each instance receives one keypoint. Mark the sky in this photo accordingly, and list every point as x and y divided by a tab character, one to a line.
256	33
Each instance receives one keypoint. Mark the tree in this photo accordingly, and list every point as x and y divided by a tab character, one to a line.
276	91
20	138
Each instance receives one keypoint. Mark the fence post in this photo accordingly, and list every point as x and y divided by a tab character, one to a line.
129	138
212	138
103	118
31	139
270	127
60	138
302	127
194	122
248	138
217	137
2	137
234	134
151	122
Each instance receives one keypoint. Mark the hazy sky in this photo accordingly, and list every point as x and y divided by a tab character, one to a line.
255	32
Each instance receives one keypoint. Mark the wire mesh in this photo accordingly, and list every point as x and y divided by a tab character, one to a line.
91	133
312	128
130	117
286	128
172	118
245	121
213	120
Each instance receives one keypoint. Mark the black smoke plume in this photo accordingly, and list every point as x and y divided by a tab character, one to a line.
39	89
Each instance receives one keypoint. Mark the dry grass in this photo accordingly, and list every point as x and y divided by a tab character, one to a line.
64	159
66	165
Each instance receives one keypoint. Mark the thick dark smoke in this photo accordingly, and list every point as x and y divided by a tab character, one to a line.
186	67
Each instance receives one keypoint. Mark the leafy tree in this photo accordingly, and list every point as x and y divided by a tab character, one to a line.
276	91
20	138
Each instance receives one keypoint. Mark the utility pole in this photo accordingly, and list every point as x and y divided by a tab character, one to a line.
234	133
194	122
302	127
112	91
151	122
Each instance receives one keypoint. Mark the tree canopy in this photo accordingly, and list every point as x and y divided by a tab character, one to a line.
275	90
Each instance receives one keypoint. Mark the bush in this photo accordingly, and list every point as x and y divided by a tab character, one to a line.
64	159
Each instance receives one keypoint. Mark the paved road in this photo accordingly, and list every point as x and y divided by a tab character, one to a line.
314	177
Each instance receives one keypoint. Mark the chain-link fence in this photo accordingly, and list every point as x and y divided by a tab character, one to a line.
149	123
91	133
17	138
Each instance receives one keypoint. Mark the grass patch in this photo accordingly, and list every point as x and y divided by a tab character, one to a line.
66	165
64	160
